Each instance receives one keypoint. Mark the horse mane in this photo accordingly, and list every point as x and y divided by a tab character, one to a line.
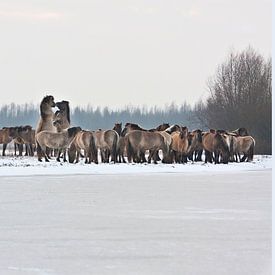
73	130
67	110
172	128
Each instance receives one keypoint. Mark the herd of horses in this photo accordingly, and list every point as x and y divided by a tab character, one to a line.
54	137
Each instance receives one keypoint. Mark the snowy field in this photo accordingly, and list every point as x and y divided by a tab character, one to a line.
66	219
20	166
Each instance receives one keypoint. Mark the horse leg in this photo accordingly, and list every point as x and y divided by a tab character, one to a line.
208	157
216	157
43	151
243	158
4	149
64	155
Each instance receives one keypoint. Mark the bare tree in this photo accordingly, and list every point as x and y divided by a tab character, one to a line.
240	96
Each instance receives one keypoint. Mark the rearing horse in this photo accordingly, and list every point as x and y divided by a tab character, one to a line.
45	122
62	116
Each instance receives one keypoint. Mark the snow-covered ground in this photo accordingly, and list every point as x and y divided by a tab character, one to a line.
30	166
64	219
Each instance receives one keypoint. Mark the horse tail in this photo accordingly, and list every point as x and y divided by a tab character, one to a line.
114	147
129	149
93	150
251	150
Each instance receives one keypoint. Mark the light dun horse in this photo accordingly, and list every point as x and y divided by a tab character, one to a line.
137	142
54	140
214	142
45	122
84	140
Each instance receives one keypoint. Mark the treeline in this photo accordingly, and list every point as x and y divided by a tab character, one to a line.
90	117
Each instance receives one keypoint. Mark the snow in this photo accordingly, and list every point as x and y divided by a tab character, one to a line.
19	166
67	219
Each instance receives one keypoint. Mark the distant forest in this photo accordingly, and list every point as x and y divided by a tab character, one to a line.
239	95
93	118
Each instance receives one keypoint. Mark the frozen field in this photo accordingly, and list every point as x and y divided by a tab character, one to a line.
135	219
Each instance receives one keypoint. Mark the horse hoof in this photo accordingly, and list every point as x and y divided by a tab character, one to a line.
40	160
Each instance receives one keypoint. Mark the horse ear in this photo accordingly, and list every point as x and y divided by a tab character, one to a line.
212	131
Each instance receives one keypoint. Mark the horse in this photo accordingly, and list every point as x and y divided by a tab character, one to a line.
245	145
168	140
84	140
131	127
173	128
6	137
180	145
55	140
196	149
107	142
25	135
137	142
240	132
45	122
214	142
160	128
118	128
62	116
121	143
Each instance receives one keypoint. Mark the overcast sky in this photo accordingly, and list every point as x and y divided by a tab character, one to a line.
119	52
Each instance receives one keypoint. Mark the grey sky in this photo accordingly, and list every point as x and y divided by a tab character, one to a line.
118	52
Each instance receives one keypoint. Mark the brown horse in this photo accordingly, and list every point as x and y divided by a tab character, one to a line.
214	142
131	127
84	140
180	145
173	128
196	149
25	136
61	141
107	142
240	132
160	128
6	136
118	128
45	122
61	119
245	145
121	143
137	142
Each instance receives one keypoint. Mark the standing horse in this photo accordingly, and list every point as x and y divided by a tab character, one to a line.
196	149
60	141
25	136
84	140
45	122
214	142
121	143
137	142
180	145
107	142
245	145
6	137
